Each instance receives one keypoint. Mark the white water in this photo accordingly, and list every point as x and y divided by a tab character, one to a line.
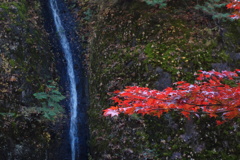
73	92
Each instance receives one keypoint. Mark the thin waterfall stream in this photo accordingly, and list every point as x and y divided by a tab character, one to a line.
73	131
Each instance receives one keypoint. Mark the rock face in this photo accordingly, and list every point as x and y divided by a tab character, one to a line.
27	63
164	79
131	43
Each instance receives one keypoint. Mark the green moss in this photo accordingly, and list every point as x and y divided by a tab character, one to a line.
4	6
231	37
15	7
186	49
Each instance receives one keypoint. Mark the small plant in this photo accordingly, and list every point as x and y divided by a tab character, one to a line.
161	3
50	100
88	14
214	8
7	114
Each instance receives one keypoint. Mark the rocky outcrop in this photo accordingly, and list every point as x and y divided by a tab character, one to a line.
26	65
131	43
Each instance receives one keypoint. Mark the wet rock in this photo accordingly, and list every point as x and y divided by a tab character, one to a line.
13	8
220	66
199	147
164	79
176	155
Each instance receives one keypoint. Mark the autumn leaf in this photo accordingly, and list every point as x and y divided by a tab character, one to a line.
113	111
186	114
210	96
219	122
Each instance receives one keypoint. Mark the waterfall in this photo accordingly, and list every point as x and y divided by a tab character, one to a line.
70	70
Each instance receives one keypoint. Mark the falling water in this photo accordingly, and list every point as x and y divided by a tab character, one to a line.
73	91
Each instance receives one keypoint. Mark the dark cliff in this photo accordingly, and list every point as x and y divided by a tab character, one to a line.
132	43
27	66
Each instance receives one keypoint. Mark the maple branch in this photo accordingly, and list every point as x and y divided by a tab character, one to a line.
176	109
209	95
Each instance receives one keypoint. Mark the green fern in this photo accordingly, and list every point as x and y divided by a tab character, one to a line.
161	3
49	100
214	8
40	95
7	114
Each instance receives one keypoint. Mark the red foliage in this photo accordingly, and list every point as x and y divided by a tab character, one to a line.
235	4
208	95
